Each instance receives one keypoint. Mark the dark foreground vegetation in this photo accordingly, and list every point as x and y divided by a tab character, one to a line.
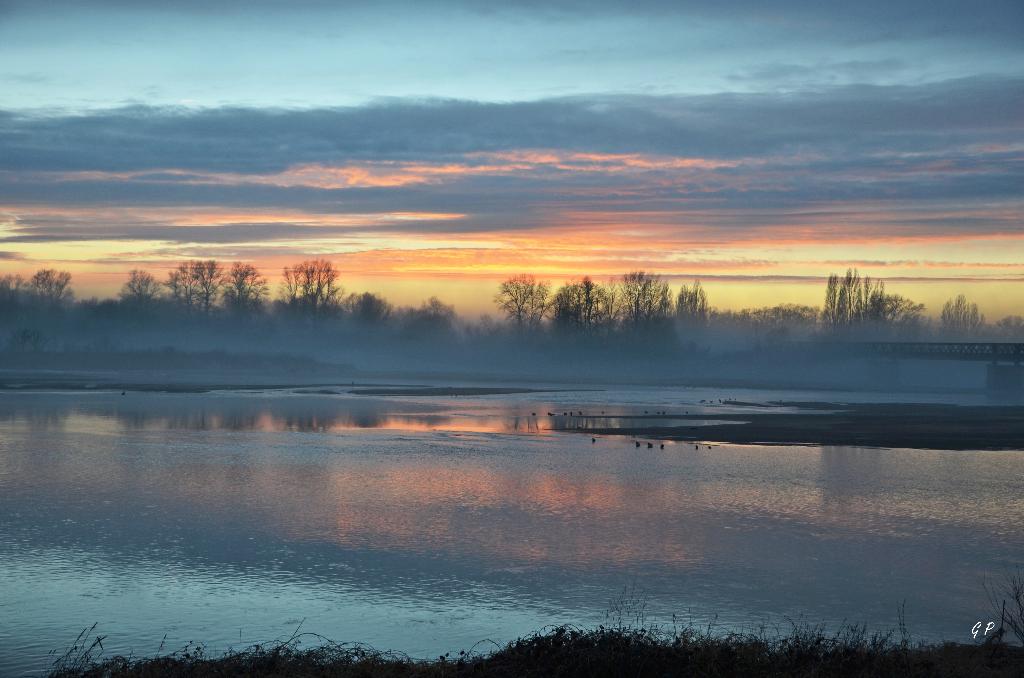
567	651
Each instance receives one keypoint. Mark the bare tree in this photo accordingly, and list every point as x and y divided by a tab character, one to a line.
182	286
830	313
51	287
646	299
961	317
524	300
209	278
311	286
597	305
432	317
894	309
567	311
782	321
13	289
1011	327
845	299
567	307
692	305
245	288
854	301
585	306
196	283
141	288
368	308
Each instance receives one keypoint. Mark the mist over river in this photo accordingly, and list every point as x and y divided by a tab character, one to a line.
426	524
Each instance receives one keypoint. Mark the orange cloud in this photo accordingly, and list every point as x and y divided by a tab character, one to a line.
390	174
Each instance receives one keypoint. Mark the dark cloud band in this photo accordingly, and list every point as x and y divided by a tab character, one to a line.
842	121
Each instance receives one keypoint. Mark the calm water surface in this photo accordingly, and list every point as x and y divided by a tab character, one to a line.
429	524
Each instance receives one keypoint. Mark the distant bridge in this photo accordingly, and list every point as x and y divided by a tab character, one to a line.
992	352
1005	373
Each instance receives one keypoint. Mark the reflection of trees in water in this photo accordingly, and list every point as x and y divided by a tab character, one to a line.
240	421
203	419
303	422
364	420
586	422
327	421
521	424
203	413
248	418
37	417
276	419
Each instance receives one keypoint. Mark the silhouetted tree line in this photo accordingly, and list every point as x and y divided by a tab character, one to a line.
852	301
636	304
202	293
853	307
636	301
48	287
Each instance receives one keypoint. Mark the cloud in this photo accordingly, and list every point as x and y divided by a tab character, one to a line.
612	182
865	19
27	78
849	119
530	165
803	75
43	224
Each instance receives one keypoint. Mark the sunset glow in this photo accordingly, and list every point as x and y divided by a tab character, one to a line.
744	170
502	337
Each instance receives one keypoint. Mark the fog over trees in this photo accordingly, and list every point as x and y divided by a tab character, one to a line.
245	289
50	287
585	307
208	305
852	301
311	287
646	301
960	317
140	290
692	308
523	300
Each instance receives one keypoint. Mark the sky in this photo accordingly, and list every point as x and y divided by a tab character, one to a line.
434	148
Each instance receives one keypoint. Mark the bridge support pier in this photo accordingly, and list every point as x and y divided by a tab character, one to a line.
884	373
1005	378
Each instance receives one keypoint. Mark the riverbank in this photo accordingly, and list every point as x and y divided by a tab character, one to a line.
573	652
906	425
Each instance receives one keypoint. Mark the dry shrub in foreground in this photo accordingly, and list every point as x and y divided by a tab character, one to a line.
571	652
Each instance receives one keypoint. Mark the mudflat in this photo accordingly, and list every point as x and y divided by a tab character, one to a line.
907	425
445	391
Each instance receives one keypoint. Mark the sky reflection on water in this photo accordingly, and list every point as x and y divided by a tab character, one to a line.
425	525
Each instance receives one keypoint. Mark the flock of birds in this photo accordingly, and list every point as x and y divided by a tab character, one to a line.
637	443
593	439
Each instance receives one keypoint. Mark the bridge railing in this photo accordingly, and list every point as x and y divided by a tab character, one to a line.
948	350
